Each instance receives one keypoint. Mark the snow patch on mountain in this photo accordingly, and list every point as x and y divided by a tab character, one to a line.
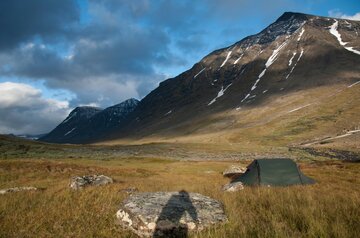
71	116
291	59
220	94
348	24
274	55
353	84
67	133
199	72
227	58
292	69
268	63
236	61
169	112
333	30
247	95
299	108
301	33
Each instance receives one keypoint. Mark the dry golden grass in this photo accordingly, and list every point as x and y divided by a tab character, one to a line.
328	111
330	208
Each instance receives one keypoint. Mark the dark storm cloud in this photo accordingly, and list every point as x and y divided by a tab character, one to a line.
117	50
126	50
21	20
112	49
121	40
105	51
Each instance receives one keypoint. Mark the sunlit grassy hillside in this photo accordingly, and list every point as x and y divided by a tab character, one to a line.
282	120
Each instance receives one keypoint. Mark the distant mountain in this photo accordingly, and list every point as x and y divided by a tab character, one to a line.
76	119
89	123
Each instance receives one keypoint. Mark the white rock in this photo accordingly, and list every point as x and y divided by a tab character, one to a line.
234	170
17	189
89	180
233	187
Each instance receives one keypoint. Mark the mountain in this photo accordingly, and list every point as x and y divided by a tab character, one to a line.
88	123
299	64
77	117
295	82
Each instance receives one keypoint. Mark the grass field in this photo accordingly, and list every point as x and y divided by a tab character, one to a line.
330	208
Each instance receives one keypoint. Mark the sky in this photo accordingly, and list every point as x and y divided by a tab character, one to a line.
56	55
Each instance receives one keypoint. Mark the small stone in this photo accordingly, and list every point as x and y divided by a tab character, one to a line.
233	187
151	225
209	171
191	225
78	182
234	170
18	189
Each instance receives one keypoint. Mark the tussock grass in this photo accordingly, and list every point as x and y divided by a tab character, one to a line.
330	208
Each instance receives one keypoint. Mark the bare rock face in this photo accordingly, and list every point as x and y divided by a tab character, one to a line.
169	214
89	180
17	189
233	187
234	170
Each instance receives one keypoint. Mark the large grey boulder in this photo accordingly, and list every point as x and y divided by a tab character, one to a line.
169	214
17	189
234	170
89	180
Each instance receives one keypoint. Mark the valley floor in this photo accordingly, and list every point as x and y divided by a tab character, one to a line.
330	208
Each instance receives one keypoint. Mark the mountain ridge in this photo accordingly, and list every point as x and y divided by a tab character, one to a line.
298	52
85	122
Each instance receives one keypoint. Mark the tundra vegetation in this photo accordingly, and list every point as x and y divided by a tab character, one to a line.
330	208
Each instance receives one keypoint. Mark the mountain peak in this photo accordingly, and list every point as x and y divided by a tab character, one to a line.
86	108
131	102
291	15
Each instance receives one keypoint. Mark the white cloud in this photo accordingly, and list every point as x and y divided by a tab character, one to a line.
24	110
103	91
337	14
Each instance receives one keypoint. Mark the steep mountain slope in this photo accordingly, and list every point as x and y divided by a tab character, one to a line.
298	61
78	116
86	123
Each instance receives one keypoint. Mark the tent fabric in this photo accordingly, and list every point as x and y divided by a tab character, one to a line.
274	172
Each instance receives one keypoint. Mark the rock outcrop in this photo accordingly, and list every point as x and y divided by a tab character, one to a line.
233	187
18	189
169	214
234	170
89	180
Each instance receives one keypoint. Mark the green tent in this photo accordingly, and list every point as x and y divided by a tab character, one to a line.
273	172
